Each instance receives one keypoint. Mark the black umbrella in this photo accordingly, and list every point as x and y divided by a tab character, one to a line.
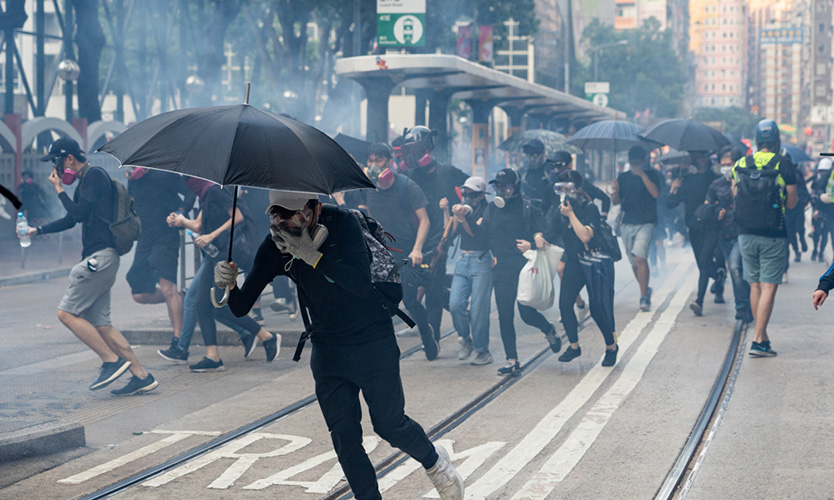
685	134
357	148
736	144
242	146
796	155
608	135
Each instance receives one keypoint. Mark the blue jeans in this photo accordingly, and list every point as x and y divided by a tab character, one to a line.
741	288
472	278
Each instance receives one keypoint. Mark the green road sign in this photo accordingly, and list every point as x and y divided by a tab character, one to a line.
401	30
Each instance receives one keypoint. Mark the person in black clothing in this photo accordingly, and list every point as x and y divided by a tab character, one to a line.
439	184
322	249
534	155
472	282
85	307
537	181
822	187
153	275
510	225
586	265
33	198
795	217
692	191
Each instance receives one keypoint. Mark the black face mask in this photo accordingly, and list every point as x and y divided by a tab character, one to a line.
472	199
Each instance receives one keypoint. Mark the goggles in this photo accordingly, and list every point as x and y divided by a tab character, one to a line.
278	214
58	163
564	188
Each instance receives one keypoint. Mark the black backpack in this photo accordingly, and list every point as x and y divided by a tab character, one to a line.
758	201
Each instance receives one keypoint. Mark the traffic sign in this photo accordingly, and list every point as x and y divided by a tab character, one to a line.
601	100
401	23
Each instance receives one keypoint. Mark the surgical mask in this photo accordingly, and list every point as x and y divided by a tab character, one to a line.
727	171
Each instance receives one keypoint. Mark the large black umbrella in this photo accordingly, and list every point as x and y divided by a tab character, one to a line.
242	146
685	134
607	135
796	155
357	148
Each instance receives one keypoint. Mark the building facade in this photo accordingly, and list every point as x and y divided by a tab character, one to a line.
717	42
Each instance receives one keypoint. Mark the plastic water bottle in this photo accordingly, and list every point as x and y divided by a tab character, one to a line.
210	249
22	228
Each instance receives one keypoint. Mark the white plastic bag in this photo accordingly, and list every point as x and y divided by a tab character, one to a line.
535	282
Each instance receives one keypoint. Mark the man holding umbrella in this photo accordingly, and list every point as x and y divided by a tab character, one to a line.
322	249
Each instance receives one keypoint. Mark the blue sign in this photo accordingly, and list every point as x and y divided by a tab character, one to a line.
781	36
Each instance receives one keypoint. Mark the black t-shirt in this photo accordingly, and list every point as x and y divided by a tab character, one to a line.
394	208
216	205
639	205
437	184
479	241
692	193
588	214
156	195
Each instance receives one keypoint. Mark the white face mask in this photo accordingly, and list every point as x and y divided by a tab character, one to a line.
727	171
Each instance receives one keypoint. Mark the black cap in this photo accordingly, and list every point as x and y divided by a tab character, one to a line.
562	157
63	147
637	153
533	146
507	177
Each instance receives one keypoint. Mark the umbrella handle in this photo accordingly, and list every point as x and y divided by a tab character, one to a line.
223	301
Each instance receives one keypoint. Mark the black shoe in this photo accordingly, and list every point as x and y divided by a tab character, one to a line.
513	368
136	385
208	365
813	256
272	346
110	372
719	298
249	343
744	315
717	286
762	350
797	257
610	356
430	345
570	353
554	340
174	353
803	244
257	316
697	307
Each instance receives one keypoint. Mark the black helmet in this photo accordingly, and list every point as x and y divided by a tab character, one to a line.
767	133
419	135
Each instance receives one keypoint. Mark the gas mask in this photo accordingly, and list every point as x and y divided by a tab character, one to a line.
503	192
68	176
291	221
379	175
415	155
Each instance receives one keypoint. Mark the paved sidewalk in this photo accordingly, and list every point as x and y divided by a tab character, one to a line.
49	256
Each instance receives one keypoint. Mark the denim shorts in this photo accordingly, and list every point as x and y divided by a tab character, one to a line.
637	239
88	294
764	259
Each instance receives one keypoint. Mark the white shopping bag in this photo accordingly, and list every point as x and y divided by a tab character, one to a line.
535	282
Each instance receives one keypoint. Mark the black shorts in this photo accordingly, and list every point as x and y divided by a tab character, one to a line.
151	262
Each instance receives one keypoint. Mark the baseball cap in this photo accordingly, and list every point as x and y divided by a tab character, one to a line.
533	146
560	157
506	176
475	183
63	147
825	164
289	200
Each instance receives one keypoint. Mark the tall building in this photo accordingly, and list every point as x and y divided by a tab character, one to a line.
630	14
818	62
717	41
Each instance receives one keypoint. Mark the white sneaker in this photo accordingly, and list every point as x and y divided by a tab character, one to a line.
445	478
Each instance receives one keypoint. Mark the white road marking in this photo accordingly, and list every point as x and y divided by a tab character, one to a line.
583	437
547	429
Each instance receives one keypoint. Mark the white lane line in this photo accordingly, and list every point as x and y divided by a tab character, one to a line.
580	441
543	433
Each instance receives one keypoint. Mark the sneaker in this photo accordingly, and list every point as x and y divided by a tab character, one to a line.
719	299
136	385
785	278
697	308
445	478
512	368
257	316
649	295
279	305
570	353
250	341
744	315
610	356
208	365
482	358
797	257
554	340
466	348
762	350
645	304
430	345
813	255
272	347
110	372
717	286
174	353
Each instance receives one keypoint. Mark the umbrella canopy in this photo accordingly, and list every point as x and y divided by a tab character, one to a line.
553	141
240	145
608	135
685	134
796	155
357	148
736	143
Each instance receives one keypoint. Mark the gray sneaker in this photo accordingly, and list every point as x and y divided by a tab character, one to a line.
445	478
465	348
482	358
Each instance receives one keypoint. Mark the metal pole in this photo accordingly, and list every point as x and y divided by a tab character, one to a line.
9	72
40	63
70	54
357	28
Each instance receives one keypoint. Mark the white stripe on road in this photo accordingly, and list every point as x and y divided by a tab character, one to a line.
547	429
580	441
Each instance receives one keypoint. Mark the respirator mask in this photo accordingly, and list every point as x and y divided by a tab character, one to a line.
503	192
68	176
292	221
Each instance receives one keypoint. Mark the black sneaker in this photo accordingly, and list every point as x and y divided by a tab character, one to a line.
610	356
272	347
136	385
174	353
762	350
208	365
717	286
430	345
719	298
257	316
554	340
744	315
249	343
512	368
110	372
697	307
570	353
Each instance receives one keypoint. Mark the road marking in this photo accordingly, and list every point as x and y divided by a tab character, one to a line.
547	429
583	437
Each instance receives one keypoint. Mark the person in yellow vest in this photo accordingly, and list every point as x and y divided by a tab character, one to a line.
764	185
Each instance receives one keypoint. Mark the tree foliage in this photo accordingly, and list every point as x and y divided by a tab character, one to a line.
736	121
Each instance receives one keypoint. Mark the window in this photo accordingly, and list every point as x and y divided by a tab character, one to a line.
822	28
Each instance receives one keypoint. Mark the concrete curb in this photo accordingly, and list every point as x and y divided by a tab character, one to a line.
224	337
41	439
26	279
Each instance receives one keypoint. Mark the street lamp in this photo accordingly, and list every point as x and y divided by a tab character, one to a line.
596	50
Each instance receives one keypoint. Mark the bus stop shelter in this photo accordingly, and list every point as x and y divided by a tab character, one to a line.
436	79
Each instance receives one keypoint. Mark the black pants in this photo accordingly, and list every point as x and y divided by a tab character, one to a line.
795	225
505	284
704	245
340	372
412	279
600	295
281	289
823	226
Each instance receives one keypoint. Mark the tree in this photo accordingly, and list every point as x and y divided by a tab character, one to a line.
736	121
645	73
